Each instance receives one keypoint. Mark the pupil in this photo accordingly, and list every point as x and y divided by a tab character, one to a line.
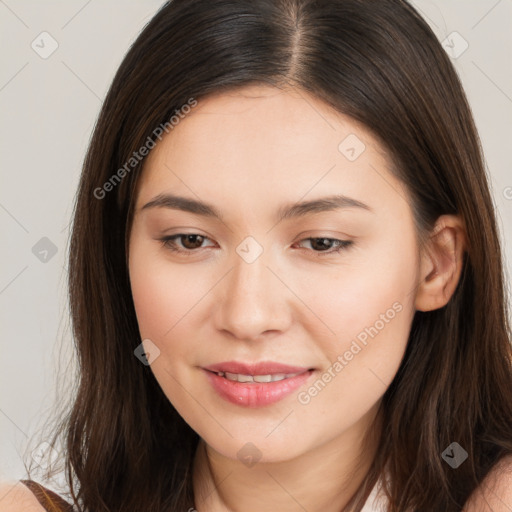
198	239
324	243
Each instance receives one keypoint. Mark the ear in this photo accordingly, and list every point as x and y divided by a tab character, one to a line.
441	263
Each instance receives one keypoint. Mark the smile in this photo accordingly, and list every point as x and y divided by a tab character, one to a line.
255	385
256	378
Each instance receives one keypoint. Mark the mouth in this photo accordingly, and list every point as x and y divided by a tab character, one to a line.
256	385
261	368
239	377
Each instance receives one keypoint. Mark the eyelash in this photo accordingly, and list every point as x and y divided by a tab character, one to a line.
169	243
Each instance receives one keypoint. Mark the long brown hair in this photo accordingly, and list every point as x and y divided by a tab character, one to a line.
377	61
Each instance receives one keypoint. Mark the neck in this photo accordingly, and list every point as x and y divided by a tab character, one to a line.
325	478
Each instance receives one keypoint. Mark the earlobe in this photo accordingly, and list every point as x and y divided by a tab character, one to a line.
441	263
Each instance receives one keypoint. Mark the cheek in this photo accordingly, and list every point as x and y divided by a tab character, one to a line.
369	306
162	292
361	360
164	299
366	289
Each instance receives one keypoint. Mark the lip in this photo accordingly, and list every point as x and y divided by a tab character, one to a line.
255	394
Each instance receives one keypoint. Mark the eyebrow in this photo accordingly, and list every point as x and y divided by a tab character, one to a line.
323	204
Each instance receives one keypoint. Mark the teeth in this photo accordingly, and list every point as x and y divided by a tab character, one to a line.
262	378
256	378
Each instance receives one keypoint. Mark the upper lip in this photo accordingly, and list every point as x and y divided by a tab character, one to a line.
261	368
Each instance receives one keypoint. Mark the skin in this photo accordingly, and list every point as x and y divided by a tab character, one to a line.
249	153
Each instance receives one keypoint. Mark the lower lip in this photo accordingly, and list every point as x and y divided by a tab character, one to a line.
256	394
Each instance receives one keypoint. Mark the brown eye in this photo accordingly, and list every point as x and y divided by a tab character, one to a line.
321	244
192	241
326	245
186	244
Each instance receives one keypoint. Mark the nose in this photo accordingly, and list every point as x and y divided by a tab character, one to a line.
252	301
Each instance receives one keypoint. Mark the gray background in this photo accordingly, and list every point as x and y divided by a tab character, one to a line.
48	109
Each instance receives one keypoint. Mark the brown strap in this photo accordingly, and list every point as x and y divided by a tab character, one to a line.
51	501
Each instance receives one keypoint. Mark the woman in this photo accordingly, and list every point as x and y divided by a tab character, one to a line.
285	275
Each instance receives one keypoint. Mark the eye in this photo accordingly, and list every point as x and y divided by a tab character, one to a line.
188	242
327	245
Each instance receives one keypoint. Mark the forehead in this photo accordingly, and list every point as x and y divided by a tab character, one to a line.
262	142
260	115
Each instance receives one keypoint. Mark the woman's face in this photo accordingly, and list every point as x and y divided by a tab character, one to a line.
301	251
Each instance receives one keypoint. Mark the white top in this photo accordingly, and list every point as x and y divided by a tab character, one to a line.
376	501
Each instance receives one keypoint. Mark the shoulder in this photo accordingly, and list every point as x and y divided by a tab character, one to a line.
16	497
495	492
